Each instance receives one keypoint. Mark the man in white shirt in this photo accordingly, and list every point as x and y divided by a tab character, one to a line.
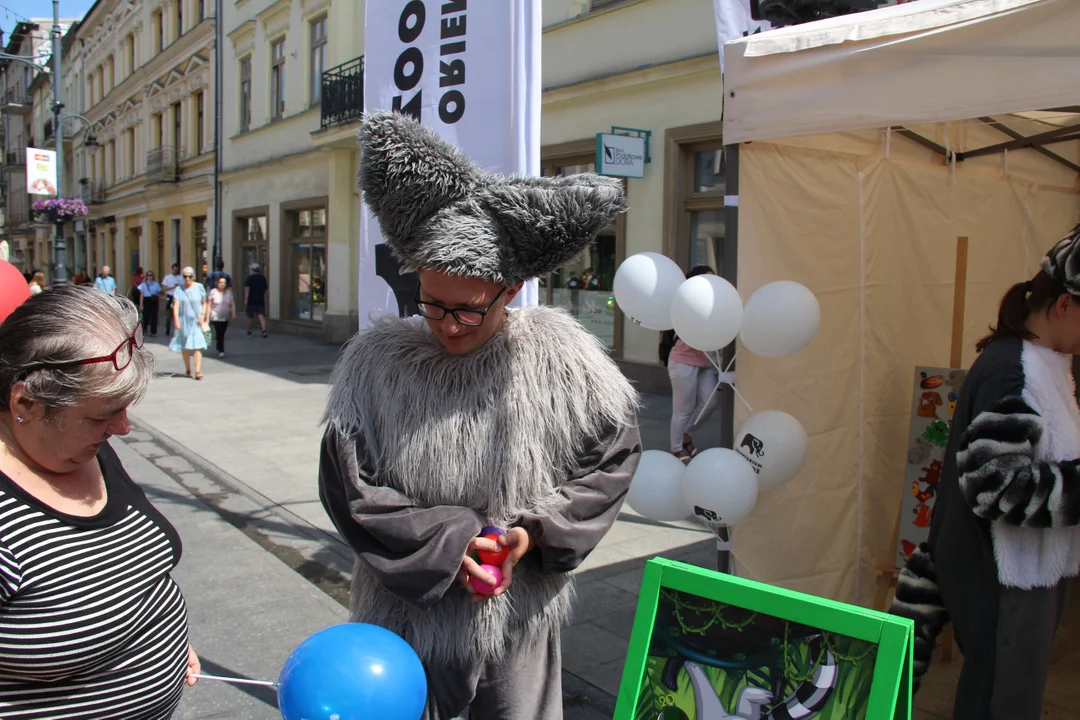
170	282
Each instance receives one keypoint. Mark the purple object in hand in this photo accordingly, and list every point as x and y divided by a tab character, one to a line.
491	530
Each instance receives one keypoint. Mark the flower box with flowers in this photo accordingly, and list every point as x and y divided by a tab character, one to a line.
59	210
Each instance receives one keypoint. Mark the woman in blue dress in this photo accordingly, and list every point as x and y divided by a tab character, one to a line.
190	317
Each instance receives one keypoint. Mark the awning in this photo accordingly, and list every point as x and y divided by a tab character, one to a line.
920	62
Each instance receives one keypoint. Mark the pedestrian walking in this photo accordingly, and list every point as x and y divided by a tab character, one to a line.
693	385
255	288
219	272
91	621
190	320
170	282
149	291
37	282
222	310
105	282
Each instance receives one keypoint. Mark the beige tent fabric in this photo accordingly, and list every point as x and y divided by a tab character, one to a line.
875	239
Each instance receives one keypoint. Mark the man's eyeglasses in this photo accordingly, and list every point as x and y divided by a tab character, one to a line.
189	276
464	316
120	357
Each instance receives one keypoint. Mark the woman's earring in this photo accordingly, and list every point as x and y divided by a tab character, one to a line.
20	419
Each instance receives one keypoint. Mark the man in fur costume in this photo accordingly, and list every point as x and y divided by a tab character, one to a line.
475	416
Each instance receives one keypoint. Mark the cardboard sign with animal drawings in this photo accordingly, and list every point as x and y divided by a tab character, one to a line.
932	406
711	646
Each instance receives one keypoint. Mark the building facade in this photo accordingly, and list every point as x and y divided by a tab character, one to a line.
143	77
290	157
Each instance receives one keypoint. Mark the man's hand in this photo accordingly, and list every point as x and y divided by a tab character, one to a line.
519	543
471	568
194	667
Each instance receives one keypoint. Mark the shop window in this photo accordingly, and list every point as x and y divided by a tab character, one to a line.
202	261
307	265
584	288
254	245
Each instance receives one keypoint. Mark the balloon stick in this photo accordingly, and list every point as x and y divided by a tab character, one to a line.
239	681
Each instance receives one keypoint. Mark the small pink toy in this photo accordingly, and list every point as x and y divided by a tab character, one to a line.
482	587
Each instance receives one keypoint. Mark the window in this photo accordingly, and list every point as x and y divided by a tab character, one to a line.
130	153
199	237
131	53
319	51
703	206
583	287
159	241
111	74
202	10
307	265
177	136
111	176
199	139
254	247
159	30
159	130
245	94
179	18
277	80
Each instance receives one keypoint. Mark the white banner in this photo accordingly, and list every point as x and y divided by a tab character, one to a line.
470	72
41	172
733	20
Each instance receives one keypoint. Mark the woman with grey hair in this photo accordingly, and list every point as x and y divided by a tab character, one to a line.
191	314
91	622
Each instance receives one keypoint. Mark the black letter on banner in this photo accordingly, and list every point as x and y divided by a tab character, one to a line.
411	108
414	9
451	116
452	27
452	48
409	56
453	6
453	73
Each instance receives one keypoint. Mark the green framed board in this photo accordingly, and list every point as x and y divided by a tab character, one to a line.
710	646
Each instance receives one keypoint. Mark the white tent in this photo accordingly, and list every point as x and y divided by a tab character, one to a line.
867	145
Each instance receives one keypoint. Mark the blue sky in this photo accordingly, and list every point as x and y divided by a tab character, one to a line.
11	11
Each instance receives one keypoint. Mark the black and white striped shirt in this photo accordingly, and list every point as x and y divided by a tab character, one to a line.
91	623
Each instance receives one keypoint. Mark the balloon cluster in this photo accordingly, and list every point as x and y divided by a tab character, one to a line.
719	486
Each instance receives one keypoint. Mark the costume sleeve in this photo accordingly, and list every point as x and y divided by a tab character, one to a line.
587	505
1000	478
415	552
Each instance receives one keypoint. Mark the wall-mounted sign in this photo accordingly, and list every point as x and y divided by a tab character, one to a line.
41	172
621	155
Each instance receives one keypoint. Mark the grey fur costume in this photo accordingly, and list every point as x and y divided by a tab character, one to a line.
437	209
536	429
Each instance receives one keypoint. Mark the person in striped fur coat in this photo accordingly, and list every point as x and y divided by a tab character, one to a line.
1004	541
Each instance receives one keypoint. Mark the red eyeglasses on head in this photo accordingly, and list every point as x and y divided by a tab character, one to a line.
120	357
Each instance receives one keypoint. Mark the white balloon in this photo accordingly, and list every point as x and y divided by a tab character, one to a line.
720	487
774	443
644	285
707	312
656	490
781	319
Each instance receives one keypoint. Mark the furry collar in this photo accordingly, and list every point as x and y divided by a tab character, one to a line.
1033	557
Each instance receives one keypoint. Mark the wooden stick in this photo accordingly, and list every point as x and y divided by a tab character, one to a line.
956	350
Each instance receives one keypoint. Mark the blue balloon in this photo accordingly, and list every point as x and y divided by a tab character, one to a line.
352	672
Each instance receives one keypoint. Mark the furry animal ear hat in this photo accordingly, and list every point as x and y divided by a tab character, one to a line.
1063	262
437	209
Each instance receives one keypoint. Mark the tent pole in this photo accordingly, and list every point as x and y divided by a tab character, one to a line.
729	270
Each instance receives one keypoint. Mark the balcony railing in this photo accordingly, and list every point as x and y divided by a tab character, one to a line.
163	164
92	192
16	100
343	93
15	157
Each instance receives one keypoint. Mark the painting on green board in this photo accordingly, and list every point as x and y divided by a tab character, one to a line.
708	660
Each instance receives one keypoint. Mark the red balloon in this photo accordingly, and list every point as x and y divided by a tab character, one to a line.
495	557
13	289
